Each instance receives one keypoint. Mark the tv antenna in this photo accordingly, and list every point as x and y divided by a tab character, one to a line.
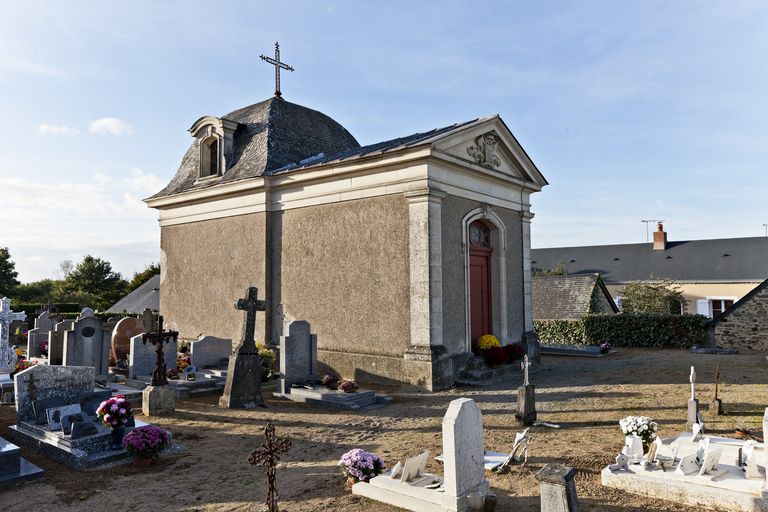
646	222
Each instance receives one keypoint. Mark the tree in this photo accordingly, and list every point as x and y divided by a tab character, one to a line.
93	282
8	274
140	278
560	270
662	296
37	291
66	267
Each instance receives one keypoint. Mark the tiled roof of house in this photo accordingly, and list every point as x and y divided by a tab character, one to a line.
147	295
723	259
566	297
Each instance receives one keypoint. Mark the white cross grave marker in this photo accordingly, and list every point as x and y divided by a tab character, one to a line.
693	383
524	365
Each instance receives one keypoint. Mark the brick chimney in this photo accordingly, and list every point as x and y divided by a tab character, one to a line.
659	238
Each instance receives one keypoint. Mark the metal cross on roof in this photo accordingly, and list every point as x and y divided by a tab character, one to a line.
278	66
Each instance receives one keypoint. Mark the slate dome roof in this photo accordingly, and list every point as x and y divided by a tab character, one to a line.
270	136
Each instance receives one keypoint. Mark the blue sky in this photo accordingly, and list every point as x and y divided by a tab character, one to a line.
632	110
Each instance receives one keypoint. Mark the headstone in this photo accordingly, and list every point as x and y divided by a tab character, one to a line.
243	386
7	354
148	320
208	351
158	400
43	326
87	344
91	401
68	420
40	408
86	312
125	329
693	403
558	488
526	397
142	359
83	429
463	449
55	414
39	382
298	356
56	341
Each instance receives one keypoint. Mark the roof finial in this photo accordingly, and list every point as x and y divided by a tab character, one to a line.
278	66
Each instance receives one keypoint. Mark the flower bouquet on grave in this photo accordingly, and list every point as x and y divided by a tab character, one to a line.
22	364
182	361
43	348
331	381
268	358
115	414
641	426
348	386
359	465
146	443
172	373
605	347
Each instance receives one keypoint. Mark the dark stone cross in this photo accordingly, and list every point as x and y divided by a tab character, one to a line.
159	377
250	305
268	455
717	379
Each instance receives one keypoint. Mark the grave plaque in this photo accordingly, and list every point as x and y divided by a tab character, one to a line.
83	429
68	420
55	414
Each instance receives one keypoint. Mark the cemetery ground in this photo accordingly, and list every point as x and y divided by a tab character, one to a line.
586	397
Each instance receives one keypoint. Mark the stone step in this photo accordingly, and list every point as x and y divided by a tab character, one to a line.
481	375
10	457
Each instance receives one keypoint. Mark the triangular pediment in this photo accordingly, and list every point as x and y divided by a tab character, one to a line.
489	146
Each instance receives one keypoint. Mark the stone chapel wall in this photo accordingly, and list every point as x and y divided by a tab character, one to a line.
345	270
206	266
454	318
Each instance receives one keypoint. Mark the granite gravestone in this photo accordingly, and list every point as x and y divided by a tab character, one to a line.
243	386
86	312
298	356
124	330
43	326
56	341
142	358
62	383
558	488
87	345
210	351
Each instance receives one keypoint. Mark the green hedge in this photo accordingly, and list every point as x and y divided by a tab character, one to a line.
626	330
31	308
101	316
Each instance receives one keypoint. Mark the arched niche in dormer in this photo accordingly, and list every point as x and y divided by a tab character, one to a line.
215	136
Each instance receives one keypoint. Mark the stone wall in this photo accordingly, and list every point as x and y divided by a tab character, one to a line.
600	303
746	327
206	266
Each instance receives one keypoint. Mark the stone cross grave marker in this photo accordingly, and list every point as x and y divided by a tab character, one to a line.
148	320
268	455
86	344
693	403
243	386
463	450
525	410
159	377
298	356
7	354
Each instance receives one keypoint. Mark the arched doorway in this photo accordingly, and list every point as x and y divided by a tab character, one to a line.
480	296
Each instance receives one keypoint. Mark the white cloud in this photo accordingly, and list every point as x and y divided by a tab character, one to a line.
37	258
143	182
52	129
101	179
110	126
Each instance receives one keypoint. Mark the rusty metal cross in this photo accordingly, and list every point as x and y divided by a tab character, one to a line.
159	377
268	455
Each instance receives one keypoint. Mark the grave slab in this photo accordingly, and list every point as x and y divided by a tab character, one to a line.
13	467
360	400
730	490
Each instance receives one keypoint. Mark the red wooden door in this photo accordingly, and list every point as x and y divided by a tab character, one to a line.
479	281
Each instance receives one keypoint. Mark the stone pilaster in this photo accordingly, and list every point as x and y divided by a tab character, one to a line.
426	364
527	216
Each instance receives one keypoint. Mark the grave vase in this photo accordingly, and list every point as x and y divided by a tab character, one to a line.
117	438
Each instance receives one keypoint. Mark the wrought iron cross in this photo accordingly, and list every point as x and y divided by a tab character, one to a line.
268	455
250	305
717	379
278	66
159	377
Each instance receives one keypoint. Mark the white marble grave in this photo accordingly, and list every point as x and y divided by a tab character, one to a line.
7	354
706	473
464	474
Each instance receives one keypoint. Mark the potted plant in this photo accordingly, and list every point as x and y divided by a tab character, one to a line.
145	443
331	381
348	386
360	466
115	414
641	426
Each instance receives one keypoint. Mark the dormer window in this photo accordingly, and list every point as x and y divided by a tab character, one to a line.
216	141
209	161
